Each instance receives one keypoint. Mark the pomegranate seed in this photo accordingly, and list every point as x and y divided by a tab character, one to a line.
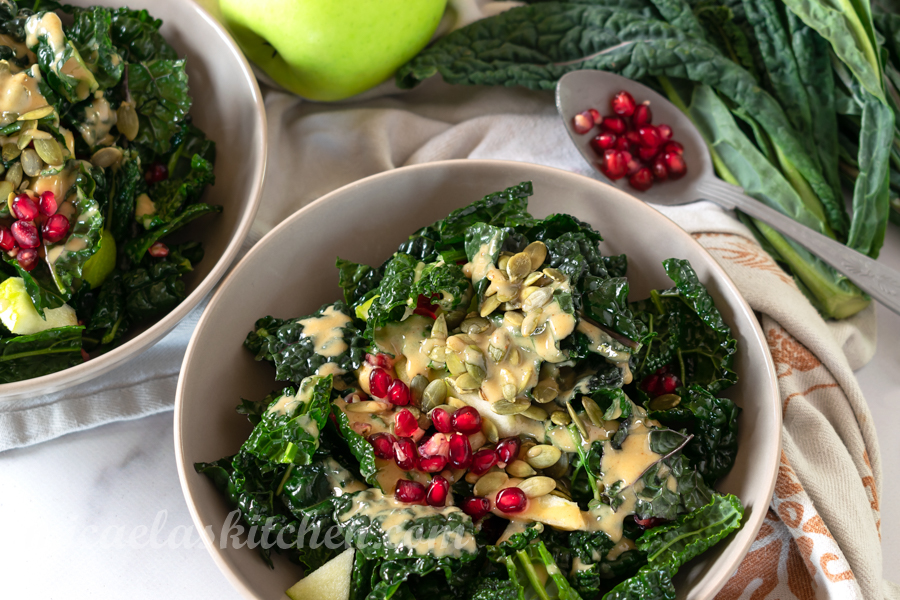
633	166
675	147
405	424
623	104
380	360
508	449
483	460
511	500
398	393
659	169
649	522
651	385
614	124
642	180
476	507
613	164
47	204
647	154
433	464
383	445
158	250
604	141
405	454
649	136
156	173
7	241
84	355
467	420
623	144
675	165
425	308
437	491
460	451
24	208
55	228
642	115
665	132
633	137
26	234
27	258
436	445
595	115
379	382
442	420
583	122
668	383
411	492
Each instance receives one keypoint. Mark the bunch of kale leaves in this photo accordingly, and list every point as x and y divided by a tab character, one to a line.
130	61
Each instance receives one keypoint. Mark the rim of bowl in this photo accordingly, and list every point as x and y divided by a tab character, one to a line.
55	382
752	523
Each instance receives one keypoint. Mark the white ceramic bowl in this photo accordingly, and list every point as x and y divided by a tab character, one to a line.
291	273
228	107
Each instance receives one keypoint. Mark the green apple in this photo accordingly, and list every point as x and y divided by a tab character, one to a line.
331	581
331	49
99	266
18	314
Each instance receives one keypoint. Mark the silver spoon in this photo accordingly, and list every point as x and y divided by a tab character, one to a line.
580	90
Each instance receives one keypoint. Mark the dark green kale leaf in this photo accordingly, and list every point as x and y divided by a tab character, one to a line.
173	194
590	546
657	500
288	431
616	265
42	353
107	322
357	280
648	584
491	588
73	85
360	447
605	301
155	286
90	33
283	343
126	184
136	35
159	89
137	247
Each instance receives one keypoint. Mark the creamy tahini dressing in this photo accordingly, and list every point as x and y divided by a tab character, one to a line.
340	479
49	27
405	340
59	184
391	516
602	343
483	261
325	331
19	92
99	119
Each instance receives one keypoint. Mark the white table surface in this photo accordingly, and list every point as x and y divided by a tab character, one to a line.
99	514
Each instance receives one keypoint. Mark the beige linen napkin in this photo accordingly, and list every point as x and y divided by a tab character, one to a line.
821	537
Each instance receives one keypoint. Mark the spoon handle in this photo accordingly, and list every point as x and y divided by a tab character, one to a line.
879	281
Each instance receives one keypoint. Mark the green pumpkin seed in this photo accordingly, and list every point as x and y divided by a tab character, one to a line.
50	151
514	357
455	402
535	413
439	329
477	373
559	468
559	417
14	174
475	325
518	267
533	278
546	391
454	365
417	387
537	299
562	495
127	121
37	113
24	139
535	487
490	482
537	251
368	406
503	261
10	152
467	382
520	468
489	305
106	157
6	188
31	162
496	353
514	318
542	456
593	411
490	431
8	118
509	392
438	354
472	355
577	420
555	274
434	395
665	402
510	407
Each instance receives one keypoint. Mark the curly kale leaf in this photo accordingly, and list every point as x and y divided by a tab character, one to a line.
605	300
360	447
288	431
136	35
159	89
155	286
657	500
293	353
42	353
126	183
491	588
575	255
357	280
73	84
171	195
90	33
590	546
137	247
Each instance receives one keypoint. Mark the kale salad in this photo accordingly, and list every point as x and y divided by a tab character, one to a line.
100	164
486	415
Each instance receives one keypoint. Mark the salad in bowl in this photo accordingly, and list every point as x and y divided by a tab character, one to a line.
101	163
486	415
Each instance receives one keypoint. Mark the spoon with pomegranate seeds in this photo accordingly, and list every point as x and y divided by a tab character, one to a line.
639	141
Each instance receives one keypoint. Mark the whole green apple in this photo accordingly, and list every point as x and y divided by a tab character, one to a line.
331	49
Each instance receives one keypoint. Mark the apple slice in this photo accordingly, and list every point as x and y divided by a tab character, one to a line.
331	581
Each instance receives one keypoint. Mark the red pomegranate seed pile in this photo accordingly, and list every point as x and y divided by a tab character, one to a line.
661	382
36	220
629	145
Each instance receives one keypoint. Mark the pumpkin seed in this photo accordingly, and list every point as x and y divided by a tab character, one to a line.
509	392
560	418
14	174
50	151
106	157
31	162
503	261
454	365
554	274
472	355
472	478
467	382
577	420
533	278
665	402
477	373
542	456
535	487
488	306
37	113
25	138
546	391
455	402
496	353
537	299
510	407
417	387
127	121
514	357
535	413
490	482
7	117
6	188
438	354
434	395
456	344
593	411
559	468
518	267
439	329
475	325
10	152
530	322
514	318
490	431
368	406
537	251
520	468
562	495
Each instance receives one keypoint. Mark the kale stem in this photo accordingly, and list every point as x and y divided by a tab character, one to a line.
532	575
284	479
681	364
